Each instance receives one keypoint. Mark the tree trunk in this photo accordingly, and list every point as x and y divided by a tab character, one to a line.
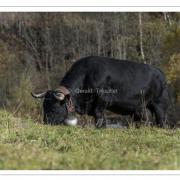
141	38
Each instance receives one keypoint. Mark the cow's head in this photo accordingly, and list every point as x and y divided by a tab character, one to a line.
56	105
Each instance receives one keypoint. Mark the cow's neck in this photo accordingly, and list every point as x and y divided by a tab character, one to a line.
70	102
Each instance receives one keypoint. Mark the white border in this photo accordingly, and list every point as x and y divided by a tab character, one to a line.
94	6
90	9
82	177
90	3
91	172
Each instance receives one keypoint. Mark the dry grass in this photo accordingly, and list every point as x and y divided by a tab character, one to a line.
28	145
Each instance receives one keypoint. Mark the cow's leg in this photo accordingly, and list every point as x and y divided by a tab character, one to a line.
160	108
137	116
143	117
160	115
100	120
99	108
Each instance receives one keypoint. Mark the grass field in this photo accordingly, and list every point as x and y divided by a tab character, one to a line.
28	145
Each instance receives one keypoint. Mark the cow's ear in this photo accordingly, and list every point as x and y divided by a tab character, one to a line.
68	96
38	95
61	93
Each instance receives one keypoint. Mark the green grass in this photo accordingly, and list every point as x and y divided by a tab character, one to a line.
28	145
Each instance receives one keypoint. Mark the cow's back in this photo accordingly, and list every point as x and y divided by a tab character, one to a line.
129	78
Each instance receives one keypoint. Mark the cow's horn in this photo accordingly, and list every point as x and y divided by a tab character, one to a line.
38	95
59	96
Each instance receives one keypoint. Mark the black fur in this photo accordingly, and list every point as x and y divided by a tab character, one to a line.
54	111
128	83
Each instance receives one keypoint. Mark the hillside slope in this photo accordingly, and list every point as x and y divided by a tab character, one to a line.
27	145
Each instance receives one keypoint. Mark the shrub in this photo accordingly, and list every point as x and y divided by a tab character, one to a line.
21	98
173	74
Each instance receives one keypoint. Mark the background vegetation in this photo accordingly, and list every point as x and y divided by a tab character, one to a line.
36	49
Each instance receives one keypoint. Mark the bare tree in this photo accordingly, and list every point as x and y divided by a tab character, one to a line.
167	18
141	37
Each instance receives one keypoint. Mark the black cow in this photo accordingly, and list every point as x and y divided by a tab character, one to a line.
94	84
